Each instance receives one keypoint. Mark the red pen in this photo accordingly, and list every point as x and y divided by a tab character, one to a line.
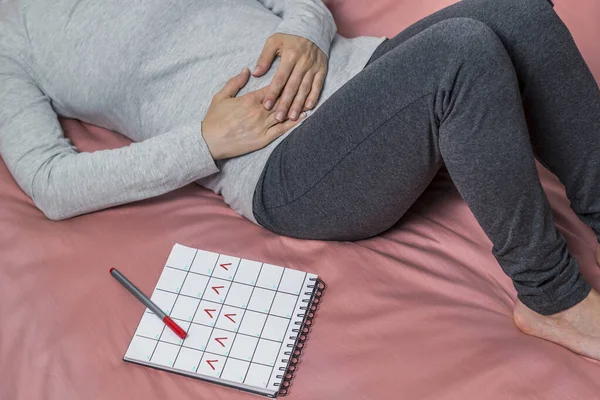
148	303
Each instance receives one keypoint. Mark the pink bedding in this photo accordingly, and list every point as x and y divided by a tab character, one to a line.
421	312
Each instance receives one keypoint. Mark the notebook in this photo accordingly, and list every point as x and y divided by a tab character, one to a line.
246	321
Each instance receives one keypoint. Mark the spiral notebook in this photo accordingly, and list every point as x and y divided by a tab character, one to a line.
247	321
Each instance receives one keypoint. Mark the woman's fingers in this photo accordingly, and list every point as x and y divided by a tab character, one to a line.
300	99
299	78
284	70
280	128
267	56
315	91
234	85
290	91
270	119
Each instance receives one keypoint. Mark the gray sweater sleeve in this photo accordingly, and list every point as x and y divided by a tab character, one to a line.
310	19
64	182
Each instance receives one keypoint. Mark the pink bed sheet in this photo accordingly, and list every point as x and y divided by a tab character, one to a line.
421	312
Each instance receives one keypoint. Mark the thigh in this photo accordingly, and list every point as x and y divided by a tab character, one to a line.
328	189
353	168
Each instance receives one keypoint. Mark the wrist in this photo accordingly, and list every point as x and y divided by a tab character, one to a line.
212	147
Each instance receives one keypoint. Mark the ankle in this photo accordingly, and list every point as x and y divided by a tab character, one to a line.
524	316
528	321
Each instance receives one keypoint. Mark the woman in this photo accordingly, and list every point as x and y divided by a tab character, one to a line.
481	86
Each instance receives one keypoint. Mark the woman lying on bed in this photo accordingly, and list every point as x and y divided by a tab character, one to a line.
482	87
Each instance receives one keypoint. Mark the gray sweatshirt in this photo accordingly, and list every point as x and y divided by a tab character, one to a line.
147	69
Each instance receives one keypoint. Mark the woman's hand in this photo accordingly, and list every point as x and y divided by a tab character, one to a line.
238	125
301	73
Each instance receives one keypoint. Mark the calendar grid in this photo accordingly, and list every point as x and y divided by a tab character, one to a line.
226	330
156	344
203	290
164	327
240	283
182	284
289	322
242	320
264	297
193	297
263	329
175	302
221	309
210	352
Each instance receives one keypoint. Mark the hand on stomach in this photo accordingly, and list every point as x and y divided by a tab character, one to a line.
238	125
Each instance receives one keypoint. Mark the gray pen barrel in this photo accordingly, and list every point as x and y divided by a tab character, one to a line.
137	293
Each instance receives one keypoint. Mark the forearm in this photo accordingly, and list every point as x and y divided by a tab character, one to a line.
71	184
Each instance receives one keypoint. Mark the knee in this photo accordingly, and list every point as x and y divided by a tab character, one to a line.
472	43
525	18
469	37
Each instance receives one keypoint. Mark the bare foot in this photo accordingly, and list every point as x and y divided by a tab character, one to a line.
577	328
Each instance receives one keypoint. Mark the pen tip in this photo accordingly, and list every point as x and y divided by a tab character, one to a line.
111	270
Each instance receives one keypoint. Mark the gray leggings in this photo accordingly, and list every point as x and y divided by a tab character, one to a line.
481	87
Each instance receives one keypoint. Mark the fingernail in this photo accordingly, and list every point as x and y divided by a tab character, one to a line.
303	115
279	117
310	104
268	104
256	69
294	115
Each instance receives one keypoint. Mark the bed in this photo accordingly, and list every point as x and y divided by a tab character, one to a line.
420	312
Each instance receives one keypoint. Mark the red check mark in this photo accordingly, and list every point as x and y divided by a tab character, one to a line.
215	288
229	317
219	339
209	362
224	266
208	310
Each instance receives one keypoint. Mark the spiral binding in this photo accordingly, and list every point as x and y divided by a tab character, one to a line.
302	335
